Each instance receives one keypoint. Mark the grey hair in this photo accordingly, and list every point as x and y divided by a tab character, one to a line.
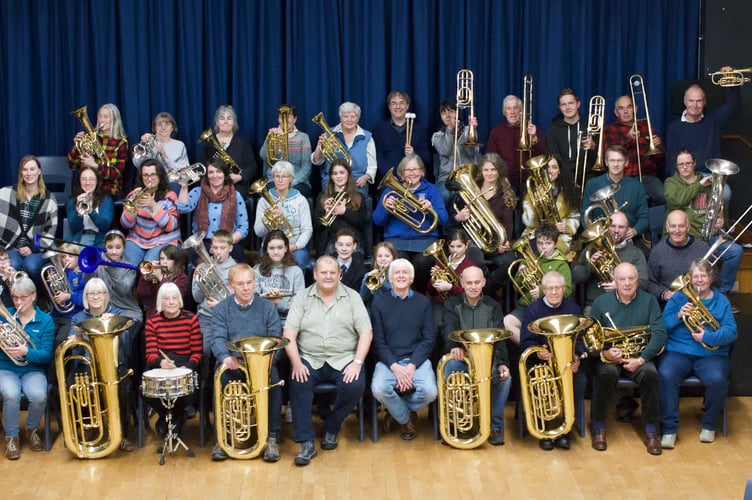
95	285
349	107
509	98
226	108
24	285
166	288
283	167
402	264
553	274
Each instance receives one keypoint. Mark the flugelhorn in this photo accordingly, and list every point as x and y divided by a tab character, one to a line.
720	169
242	407
276	142
637	87
207	277
733	78
189	174
270	218
603	199
699	318
342	198
89	144
330	146
407	207
547	388
219	151
465	398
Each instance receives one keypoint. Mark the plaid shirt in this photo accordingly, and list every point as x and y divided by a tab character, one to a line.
618	133
44	221
112	174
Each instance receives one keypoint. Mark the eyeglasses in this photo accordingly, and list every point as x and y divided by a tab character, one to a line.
685	164
553	288
153	174
95	294
414	169
20	297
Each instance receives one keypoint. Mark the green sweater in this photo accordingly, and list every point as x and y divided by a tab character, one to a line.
557	262
692	198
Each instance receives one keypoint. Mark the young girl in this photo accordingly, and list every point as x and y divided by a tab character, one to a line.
278	277
440	289
383	255
75	278
169	269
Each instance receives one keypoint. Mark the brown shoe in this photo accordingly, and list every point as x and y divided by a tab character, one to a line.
408	429
127	446
13	448
653	444
599	440
388	423
35	442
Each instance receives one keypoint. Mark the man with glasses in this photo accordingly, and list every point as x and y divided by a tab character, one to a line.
623	308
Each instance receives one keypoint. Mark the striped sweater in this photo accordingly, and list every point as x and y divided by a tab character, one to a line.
179	338
149	230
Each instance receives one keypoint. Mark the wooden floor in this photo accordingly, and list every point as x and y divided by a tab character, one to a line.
422	468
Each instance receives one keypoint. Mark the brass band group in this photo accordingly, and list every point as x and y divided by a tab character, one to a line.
220	275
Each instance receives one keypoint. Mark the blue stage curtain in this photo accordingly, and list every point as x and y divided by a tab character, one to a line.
189	56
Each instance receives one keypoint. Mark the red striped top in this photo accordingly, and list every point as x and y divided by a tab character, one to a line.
180	338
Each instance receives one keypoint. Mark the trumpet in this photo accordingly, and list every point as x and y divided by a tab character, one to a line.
637	86
330	146
375	281
276	142
209	137
342	198
145	149
407	207
189	174
733	78
147	268
131	203
84	205
89	144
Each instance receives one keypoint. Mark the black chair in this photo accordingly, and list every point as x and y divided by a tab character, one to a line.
58	177
328	388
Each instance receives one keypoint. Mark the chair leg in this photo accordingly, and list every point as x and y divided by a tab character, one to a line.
435	418
47	427
724	423
374	419
201	416
521	424
140	425
361	420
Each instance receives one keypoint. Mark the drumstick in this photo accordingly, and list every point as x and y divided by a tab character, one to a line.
165	356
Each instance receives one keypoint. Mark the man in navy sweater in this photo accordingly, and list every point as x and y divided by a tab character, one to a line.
403	338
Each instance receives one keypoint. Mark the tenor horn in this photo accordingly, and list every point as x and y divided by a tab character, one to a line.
89	144
465	398
330	146
407	207
242	407
699	317
90	408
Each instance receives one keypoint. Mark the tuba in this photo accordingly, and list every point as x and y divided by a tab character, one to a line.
330	146
243	407
600	241
11	333
55	281
531	276
733	78
89	144
276	142
209	137
408	208
547	388
270	219
482	226
631	341
207	277
89	407
342	198
465	398
603	199
720	169
445	272
699	318
189	173
540	190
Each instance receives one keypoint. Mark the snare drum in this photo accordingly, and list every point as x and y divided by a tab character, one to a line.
160	383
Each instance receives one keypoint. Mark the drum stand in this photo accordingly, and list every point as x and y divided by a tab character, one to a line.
172	441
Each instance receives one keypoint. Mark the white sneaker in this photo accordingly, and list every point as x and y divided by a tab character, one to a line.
707	436
668	441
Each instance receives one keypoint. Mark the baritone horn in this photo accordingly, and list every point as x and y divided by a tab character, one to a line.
407	207
276	142
631	341
90	408
637	86
465	398
548	388
599	238
733	78
242	407
604	199
330	146
89	144
540	190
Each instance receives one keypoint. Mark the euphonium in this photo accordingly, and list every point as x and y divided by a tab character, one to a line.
540	191
631	341
604	199
482	226
330	146
89	407
89	144
465	398
276	142
145	148
342	198
547	388
131	203
55	281
733	78
598	236
189	173
720	169
445	272
374	281
407	206
270	219
529	277
207	277
208	136
242	408
12	335
699	318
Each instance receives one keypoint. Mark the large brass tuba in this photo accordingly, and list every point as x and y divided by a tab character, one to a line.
11	333
330	146
89	407
482	226
269	218
407	207
631	341
207	277
89	144
604	199
598	236
55	281
219	151
540	191
529	277
465	398
276	142
699	318
720	169
243	407
547	388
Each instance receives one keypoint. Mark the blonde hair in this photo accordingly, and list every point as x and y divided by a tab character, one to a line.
21	194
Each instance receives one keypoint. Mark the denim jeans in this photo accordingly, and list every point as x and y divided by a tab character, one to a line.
732	259
605	378
32	264
12	385
674	367
400	406
499	392
302	257
134	254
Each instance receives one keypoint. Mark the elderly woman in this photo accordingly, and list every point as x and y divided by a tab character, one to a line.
291	205
298	150
171	153
29	379
111	136
239	149
27	209
217	205
702	350
90	210
154	220
405	238
358	143
173	339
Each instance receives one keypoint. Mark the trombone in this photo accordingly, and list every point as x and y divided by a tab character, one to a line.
637	87
733	78
526	143
465	100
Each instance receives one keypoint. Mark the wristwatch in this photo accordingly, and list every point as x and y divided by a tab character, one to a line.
358	362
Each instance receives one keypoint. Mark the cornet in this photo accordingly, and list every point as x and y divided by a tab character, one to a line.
733	78
131	203
147	268
189	174
342	198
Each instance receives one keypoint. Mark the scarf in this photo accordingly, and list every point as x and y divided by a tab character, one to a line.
226	196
